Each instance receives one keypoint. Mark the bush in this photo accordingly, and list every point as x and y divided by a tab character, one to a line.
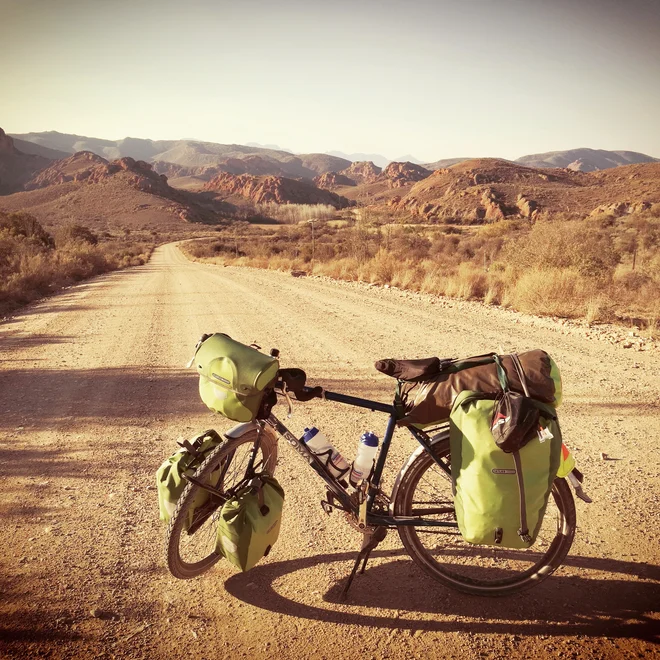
32	264
568	267
566	245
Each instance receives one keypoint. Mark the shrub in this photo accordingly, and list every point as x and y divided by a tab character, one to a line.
571	245
32	264
552	291
565	267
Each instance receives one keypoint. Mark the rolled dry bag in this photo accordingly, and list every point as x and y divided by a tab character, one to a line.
233	377
491	507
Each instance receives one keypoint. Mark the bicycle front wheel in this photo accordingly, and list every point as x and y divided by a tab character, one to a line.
425	491
191	534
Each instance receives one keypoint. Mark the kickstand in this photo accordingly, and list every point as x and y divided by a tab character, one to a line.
369	542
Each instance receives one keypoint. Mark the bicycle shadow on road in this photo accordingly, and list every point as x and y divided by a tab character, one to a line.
567	604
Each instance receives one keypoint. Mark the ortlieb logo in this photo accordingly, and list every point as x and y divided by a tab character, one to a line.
503	471
220	378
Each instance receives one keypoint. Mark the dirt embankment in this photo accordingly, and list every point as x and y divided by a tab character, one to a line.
93	395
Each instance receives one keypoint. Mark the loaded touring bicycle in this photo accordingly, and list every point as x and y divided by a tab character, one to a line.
483	505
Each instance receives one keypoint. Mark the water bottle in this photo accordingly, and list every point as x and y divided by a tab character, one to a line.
318	443
364	460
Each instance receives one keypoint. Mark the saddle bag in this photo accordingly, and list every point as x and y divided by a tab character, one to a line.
249	523
233	377
170	481
426	396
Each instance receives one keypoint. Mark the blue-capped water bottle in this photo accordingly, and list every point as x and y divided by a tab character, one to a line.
319	444
364	460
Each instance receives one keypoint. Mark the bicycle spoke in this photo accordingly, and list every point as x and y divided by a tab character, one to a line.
227	475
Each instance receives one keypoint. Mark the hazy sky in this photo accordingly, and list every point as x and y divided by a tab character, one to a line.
435	79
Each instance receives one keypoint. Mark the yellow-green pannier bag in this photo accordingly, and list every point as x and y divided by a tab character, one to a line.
233	376
170	481
492	506
250	522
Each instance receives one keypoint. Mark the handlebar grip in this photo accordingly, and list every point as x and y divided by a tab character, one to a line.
309	393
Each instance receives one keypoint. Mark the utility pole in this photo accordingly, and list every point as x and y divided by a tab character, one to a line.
311	222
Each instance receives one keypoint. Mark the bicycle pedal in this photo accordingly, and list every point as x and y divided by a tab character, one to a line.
327	507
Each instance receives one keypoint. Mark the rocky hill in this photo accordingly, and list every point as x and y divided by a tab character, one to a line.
483	190
206	159
400	174
444	162
331	180
90	190
321	163
273	189
16	167
362	171
585	160
193	157
90	168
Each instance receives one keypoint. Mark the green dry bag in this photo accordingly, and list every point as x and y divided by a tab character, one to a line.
233	377
491	506
170	480
250	522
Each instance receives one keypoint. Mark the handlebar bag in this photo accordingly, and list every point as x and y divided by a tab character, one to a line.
500	497
249	523
170	480
233	377
425	402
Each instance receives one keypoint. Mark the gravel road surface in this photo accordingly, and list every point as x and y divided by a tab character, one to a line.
94	394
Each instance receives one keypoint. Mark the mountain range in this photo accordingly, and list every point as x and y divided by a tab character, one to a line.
166	184
208	159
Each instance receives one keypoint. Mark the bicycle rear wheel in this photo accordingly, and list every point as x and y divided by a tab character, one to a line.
191	534
425	490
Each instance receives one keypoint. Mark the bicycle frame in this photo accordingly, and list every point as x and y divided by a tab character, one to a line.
334	485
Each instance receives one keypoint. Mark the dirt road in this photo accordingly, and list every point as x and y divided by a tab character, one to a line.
93	395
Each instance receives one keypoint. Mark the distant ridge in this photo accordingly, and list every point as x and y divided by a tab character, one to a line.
376	159
586	160
193	157
197	155
444	162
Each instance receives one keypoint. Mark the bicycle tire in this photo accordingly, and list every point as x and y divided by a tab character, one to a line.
181	543
472	569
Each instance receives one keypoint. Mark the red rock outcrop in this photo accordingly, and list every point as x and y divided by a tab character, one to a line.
401	174
74	168
619	209
483	190
331	180
90	168
362	171
274	189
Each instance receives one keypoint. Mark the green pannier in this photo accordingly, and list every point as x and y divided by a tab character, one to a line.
170	480
233	376
491	507
250	522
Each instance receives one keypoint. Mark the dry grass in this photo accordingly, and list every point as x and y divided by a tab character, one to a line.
600	269
34	264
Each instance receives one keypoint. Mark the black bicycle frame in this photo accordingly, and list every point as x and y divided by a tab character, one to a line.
336	487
